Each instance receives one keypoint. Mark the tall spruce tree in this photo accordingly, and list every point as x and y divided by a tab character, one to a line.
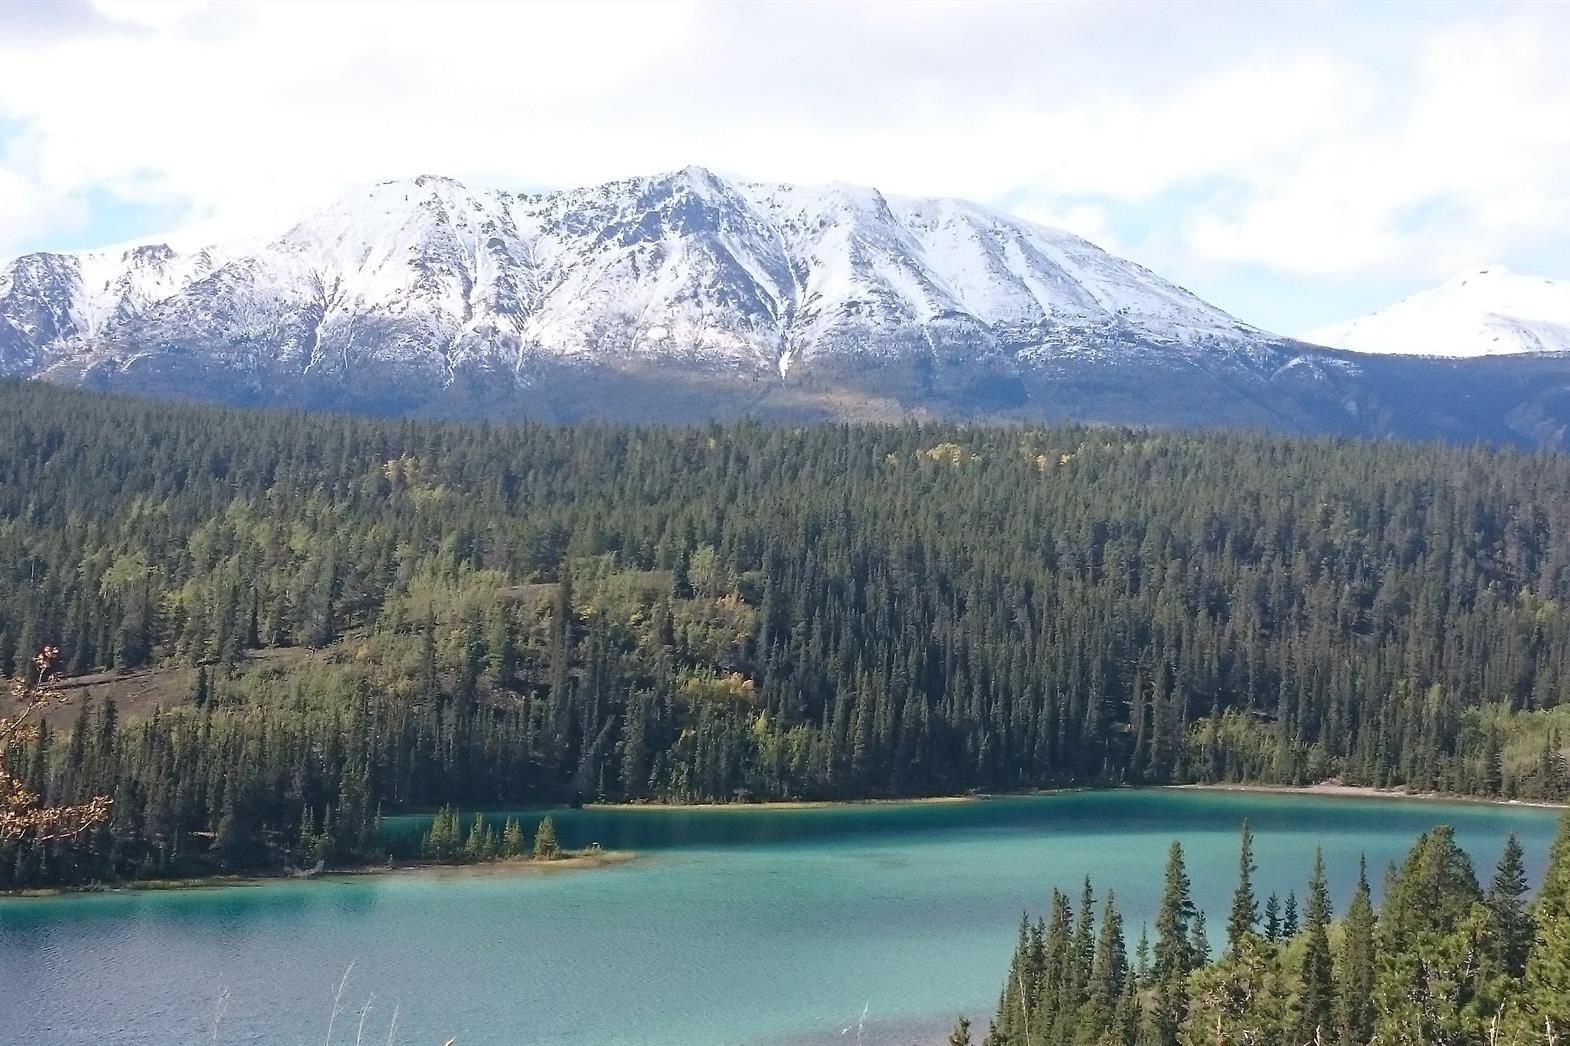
1244	913
1355	977
1547	981
1315	971
1174	949
1507	901
1108	972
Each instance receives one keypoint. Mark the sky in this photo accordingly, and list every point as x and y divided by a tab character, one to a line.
1296	164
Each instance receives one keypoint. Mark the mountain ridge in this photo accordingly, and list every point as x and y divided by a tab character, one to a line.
680	264
682	296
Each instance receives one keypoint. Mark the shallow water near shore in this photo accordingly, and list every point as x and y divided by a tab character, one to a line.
865	924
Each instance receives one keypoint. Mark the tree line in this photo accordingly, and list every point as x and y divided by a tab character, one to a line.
386	615
1442	960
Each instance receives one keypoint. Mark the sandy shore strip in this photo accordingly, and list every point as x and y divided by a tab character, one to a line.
577	861
572	861
1335	789
794	804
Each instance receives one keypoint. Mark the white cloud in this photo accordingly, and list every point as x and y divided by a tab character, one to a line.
28	209
1084	219
1307	139
149	13
1468	163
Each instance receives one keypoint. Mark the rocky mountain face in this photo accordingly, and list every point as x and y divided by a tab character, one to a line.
683	296
1484	312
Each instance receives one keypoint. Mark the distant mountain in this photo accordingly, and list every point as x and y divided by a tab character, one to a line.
429	276
684	296
1484	312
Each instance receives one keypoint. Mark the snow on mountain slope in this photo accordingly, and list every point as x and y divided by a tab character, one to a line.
48	299
1010	272
1486	312
425	278
670	265
861	283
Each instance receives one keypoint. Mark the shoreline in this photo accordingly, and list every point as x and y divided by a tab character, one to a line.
573	861
1323	789
798	804
587	860
1335	790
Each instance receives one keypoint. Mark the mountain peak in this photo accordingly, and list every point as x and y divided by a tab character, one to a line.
1486	273
696	173
1489	311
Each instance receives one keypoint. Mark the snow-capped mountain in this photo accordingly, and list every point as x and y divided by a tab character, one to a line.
431	277
684	296
1482	312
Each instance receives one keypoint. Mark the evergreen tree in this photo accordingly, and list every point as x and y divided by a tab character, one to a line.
229	836
1438	978
512	838
479	844
1547	982
441	841
1424	972
1493	769
1355	977
1108	971
1507	901
1239	1000
546	848
1272	918
1174	950
1201	940
1245	910
1315	974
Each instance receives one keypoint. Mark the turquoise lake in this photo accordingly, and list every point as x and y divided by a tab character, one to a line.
848	925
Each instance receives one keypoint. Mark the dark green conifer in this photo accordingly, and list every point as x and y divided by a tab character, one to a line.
1493	771
1272	918
1245	910
1547	981
1315	973
1174	949
1507	901
1355	982
1109	968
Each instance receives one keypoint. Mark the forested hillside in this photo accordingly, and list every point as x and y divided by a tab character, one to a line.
369	615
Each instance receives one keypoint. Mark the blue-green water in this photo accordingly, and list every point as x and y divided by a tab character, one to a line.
869	924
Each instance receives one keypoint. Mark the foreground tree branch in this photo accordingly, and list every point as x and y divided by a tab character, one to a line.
22	811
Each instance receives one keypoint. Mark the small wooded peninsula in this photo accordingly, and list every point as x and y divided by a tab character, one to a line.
274	628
